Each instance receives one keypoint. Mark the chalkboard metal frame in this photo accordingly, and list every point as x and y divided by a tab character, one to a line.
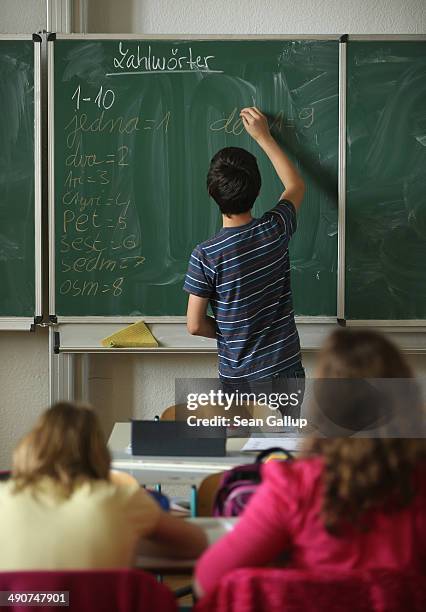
341	186
27	323
51	176
387	37
308	320
194	37
417	326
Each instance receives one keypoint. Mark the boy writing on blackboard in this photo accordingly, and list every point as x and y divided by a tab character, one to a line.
244	270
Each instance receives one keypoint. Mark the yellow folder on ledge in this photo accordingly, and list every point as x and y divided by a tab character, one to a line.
136	335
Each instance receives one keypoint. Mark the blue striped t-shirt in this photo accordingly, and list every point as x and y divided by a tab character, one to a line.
245	273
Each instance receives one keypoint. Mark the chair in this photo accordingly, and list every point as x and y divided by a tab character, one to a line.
119	590
286	590
206	494
169	414
180	412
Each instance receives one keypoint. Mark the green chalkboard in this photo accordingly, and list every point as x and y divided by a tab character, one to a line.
17	193
136	124
386	180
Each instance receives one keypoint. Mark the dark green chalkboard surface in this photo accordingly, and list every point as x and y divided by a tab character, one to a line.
136	123
17	194
386	180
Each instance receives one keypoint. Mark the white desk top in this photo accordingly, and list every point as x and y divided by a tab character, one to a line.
171	470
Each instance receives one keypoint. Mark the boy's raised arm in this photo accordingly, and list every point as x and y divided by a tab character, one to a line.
256	125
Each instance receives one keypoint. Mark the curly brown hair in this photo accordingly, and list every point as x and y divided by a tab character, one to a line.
361	474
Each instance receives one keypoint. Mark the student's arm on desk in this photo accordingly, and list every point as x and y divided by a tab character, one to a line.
198	322
176	538
168	536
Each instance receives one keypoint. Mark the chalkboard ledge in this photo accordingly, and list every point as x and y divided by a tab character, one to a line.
16	323
174	338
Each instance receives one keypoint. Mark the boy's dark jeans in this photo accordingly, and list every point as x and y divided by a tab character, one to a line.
290	380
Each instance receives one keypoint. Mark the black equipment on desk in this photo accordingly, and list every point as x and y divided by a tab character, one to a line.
177	439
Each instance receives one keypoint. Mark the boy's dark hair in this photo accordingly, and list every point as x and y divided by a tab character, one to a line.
233	180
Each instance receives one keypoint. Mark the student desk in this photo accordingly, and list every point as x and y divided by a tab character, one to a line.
150	558
171	470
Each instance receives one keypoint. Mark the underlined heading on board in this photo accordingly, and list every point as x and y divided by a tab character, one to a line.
134	60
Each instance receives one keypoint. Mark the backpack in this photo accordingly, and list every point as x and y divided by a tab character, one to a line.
238	485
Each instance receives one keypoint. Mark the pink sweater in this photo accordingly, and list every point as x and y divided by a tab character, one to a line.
283	517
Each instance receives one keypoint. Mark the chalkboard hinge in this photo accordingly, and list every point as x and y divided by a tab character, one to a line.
51	36
56	342
344	38
53	319
341	322
38	322
37	38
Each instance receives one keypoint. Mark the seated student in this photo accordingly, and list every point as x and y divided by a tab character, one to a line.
62	509
355	503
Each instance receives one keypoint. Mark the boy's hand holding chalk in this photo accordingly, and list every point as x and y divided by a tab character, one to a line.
255	123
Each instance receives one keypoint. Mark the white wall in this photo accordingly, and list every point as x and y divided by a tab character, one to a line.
23	385
22	16
125	386
257	16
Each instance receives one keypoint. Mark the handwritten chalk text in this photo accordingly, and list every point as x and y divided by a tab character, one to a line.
136	60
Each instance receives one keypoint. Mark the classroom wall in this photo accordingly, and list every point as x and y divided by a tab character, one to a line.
127	386
22	16
23	386
257	16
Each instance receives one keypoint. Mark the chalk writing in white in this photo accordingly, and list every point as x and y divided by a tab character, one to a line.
136	60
